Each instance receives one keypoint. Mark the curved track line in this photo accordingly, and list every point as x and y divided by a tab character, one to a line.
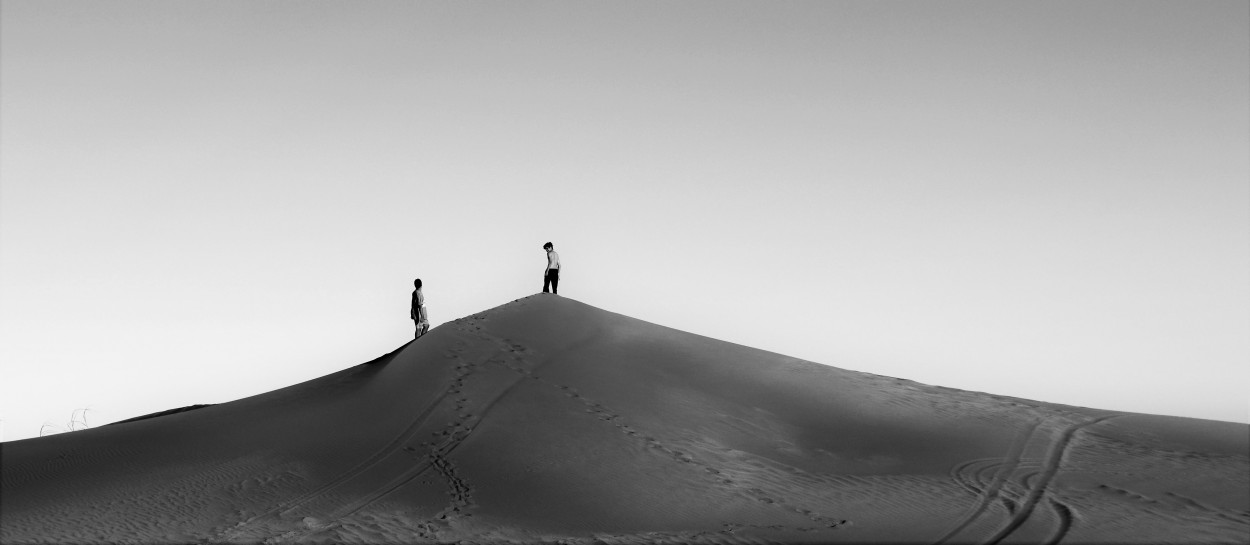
1054	458
970	479
991	493
1063	514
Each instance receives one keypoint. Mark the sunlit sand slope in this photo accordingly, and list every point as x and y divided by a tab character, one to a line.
547	420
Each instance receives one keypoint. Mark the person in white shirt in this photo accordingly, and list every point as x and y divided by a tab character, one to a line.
418	310
551	275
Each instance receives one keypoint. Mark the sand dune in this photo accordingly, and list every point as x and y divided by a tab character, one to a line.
547	420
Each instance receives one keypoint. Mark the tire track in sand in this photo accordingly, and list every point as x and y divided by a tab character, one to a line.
1063	514
1041	487
989	494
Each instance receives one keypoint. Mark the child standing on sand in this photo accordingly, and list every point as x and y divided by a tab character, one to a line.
418	310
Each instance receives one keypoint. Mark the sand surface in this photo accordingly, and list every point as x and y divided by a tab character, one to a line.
550	421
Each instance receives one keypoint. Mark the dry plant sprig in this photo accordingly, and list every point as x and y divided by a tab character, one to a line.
77	422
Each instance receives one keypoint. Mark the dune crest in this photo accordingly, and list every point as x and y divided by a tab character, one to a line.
547	420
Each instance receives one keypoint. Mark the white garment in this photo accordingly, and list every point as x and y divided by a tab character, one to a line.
418	306
553	260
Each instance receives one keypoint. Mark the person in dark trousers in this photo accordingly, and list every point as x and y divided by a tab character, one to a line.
418	310
551	275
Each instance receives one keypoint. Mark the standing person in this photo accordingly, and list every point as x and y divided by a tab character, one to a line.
551	275
418	310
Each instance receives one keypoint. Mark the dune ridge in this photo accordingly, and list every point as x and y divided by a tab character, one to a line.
546	420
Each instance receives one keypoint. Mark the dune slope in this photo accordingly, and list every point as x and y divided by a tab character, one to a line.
547	420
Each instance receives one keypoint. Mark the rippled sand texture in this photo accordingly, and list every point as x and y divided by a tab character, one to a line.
547	420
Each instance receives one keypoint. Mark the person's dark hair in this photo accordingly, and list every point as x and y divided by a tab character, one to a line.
417	283
548	245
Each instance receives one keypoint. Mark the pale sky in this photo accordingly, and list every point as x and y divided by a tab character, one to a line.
202	201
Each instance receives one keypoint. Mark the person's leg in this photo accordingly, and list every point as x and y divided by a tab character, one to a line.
555	281
547	281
